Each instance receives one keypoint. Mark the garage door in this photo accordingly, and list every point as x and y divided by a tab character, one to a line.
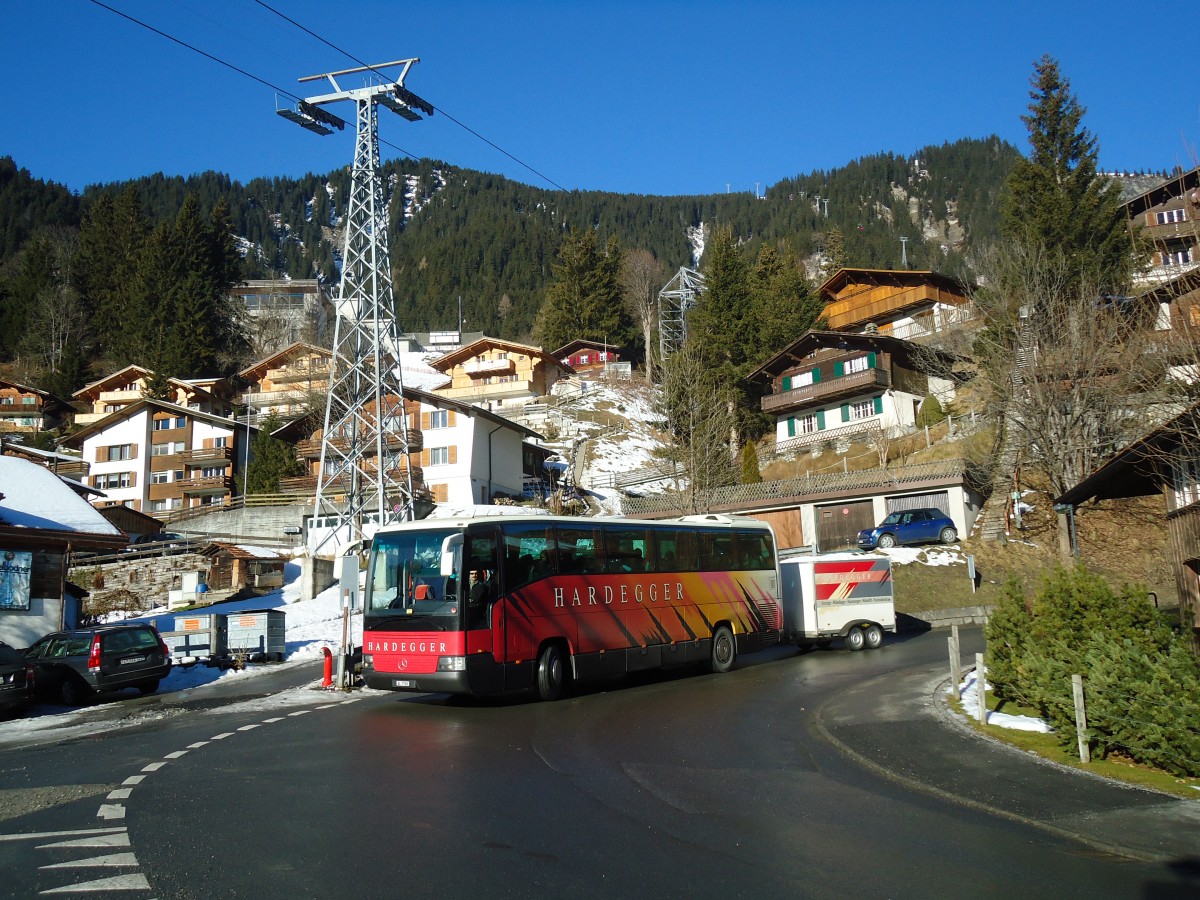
838	525
937	500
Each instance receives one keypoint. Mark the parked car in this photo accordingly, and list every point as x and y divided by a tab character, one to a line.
163	541
16	679
910	526
74	665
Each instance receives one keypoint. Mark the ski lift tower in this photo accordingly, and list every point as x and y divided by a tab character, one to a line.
674	300
364	478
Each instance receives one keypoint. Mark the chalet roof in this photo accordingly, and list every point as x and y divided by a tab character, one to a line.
581	344
449	360
27	389
1137	470
1172	289
921	357
121	376
896	277
37	504
287	352
77	438
1176	186
247	551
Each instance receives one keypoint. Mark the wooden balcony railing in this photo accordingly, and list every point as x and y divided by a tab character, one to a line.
845	386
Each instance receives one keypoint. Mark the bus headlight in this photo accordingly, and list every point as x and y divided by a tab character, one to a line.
452	664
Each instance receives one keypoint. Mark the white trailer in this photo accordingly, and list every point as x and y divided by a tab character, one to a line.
837	595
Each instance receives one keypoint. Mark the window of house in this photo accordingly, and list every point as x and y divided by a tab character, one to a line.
211	472
160	477
120	451
113	407
221	442
439	418
170	422
862	409
29	401
858	364
1168	216
7	401
167	448
112	481
1185	482
1177	257
807	424
439	456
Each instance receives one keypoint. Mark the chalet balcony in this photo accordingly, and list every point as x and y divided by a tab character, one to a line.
489	367
827	391
311	448
208	454
849	311
496	393
318	376
219	484
306	485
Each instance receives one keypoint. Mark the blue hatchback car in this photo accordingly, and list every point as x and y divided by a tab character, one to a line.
910	526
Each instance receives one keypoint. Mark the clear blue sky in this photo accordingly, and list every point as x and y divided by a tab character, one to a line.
653	97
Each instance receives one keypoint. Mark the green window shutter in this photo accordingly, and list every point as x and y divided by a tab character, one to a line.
820	420
879	405
787	382
791	427
837	370
871	360
816	373
845	412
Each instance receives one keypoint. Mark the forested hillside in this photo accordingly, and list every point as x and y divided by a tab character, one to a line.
492	240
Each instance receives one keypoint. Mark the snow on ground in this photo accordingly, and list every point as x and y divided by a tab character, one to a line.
930	556
968	693
310	626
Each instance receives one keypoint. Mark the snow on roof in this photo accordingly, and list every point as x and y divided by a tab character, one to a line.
446	511
34	497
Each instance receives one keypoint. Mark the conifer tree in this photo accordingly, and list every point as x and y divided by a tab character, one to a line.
784	302
1055	198
583	301
270	460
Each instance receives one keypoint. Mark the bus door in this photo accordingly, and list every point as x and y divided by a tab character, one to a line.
484	615
527	554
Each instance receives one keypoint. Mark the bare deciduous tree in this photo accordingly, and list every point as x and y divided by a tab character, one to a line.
641	277
697	412
1073	373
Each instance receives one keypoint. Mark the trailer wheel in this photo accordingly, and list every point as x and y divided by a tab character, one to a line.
551	673
873	636
855	639
724	650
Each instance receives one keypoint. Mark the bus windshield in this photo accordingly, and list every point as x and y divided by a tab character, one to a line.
405	583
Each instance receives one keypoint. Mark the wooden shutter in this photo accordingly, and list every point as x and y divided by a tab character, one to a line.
787	383
424	458
100	454
424	421
837	369
816	374
871	360
879	405
450	418
207	444
845	412
452	454
791	427
820	420
133	479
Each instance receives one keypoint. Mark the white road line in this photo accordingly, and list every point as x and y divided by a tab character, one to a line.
119	794
153	767
325	706
112	859
111	811
176	754
250	727
134	779
276	719
222	736
134	882
197	745
120	839
42	835
300	712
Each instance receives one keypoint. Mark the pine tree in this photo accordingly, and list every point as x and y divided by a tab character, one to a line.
270	460
750	471
1055	198
835	252
584	299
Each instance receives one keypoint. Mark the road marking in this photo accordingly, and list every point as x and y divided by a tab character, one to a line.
300	712
120	839
250	727
276	719
112	859
176	754
134	882
197	745
42	835
222	736
111	811
325	706
134	779
153	767
119	794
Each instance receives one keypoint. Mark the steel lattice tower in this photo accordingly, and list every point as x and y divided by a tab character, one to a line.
674	300
365	476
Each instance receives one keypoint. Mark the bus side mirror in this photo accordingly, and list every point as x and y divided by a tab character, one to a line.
451	552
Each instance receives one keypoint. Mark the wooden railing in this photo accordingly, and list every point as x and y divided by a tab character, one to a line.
853	383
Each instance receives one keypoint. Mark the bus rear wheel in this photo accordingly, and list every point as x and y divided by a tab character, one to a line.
551	673
724	650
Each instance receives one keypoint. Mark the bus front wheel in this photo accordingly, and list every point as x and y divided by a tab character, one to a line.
724	650
551	673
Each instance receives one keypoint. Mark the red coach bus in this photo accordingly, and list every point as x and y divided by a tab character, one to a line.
500	604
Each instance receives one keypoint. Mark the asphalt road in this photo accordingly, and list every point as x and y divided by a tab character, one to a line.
672	785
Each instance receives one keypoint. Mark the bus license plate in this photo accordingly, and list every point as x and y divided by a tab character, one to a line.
400	682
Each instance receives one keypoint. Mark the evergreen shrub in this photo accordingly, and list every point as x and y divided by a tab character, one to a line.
930	412
1140	679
